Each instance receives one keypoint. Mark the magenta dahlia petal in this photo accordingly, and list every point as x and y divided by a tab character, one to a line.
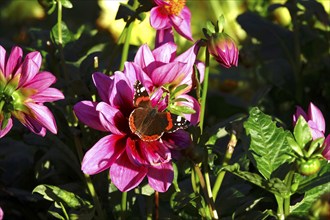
165	53
145	59
177	140
326	151
86	113
103	154
134	153
29	71
121	95
155	152
34	125
48	95
167	73
161	2
157	99
158	19
103	84
164	36
41	81
125	175
36	57
191	102
316	116
189	57
316	133
201	69
4	131
43	115
134	72
181	23
160	177
2	60
13	62
111	118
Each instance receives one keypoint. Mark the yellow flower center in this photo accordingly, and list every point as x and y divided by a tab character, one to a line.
174	7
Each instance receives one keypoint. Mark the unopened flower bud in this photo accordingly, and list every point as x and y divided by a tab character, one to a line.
224	49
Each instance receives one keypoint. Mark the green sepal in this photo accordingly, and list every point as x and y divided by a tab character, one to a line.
6	117
314	146
302	132
220	24
295	146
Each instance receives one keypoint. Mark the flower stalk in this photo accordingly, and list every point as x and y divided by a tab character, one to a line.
204	89
229	153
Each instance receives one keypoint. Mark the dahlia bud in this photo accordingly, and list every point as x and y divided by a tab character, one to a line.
223	48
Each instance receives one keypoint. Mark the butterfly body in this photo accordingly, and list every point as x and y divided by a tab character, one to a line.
147	122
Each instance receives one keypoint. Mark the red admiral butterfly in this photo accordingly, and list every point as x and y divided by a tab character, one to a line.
147	122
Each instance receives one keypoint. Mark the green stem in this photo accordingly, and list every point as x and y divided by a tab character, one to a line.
123	205
124	54
209	200
229	153
205	87
193	181
288	180
280	211
59	22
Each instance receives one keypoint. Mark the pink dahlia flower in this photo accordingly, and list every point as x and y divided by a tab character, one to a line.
23	91
129	158
164	70
316	123
172	13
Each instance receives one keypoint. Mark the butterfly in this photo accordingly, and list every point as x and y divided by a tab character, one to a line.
147	122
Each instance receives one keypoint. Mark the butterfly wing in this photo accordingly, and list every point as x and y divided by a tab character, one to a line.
141	96
177	122
148	124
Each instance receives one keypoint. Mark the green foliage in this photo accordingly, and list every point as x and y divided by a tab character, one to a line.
269	147
66	201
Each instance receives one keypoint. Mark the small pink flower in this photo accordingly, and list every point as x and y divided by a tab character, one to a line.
23	90
129	158
223	48
172	13
316	123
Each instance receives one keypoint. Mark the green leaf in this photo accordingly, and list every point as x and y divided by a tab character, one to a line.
66	3
274	185
56	194
179	110
178	89
269	146
67	36
302	132
302	207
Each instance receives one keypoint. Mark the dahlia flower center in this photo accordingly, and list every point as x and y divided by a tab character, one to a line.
174	7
